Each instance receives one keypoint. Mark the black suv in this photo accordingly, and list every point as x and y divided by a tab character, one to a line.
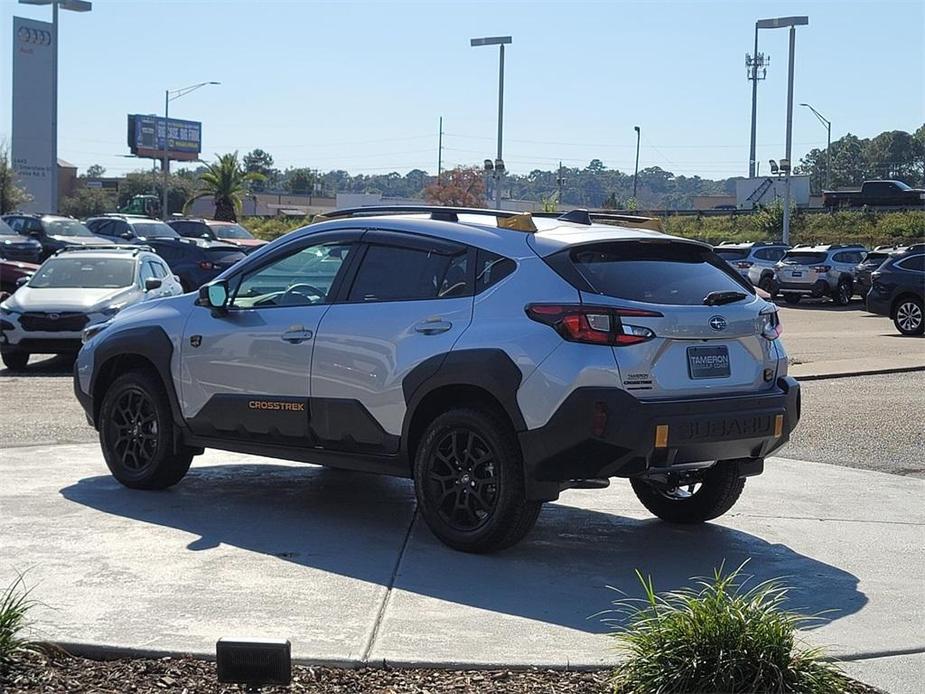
871	262
53	232
214	230
897	290
193	261
14	246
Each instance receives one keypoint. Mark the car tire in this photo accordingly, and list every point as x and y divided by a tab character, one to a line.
792	299
908	316
137	434
843	292
469	482
718	490
17	361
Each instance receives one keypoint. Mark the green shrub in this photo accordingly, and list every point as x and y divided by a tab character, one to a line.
269	228
718	637
14	608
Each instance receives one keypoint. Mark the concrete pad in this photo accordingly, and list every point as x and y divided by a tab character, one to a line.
897	674
251	546
268	549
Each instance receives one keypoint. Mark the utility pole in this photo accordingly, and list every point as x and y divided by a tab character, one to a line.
440	152
755	62
828	145
559	182
636	172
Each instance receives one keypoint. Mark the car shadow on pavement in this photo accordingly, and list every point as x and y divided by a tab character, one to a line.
56	365
568	571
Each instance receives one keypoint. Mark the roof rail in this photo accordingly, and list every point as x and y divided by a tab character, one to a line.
105	247
507	219
582	216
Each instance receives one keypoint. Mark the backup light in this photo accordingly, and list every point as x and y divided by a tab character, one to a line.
254	662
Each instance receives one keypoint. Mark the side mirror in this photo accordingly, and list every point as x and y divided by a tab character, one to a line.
215	296
21	281
207	236
35	233
127	235
152	283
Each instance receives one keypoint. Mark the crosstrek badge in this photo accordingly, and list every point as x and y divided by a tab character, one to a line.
276	405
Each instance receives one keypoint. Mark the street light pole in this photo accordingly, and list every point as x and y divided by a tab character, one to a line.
165	167
499	168
636	172
786	165
828	145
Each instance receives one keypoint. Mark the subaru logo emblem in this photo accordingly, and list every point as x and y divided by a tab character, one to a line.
718	323
54	316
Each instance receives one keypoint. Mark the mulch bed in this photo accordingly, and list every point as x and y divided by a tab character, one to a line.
59	673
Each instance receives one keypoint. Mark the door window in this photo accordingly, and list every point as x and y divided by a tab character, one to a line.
491	269
914	262
302	278
390	273
147	271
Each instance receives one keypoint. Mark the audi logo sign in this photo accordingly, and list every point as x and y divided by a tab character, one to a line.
37	37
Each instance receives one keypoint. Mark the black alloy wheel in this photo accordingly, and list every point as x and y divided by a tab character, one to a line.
462	480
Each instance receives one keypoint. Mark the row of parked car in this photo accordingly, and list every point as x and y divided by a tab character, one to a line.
68	274
890	279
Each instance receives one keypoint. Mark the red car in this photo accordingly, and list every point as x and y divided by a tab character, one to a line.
11	271
213	230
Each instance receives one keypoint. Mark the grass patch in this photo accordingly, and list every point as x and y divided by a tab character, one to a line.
15	605
719	637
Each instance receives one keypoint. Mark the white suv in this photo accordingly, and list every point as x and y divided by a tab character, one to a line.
495	358
73	289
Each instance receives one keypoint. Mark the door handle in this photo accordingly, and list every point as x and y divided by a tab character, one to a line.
295	336
433	326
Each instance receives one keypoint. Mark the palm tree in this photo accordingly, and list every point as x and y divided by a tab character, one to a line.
225	181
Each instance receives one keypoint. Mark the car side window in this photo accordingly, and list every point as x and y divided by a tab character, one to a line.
302	278
776	253
160	270
913	262
491	269
103	227
147	272
17	224
33	225
392	273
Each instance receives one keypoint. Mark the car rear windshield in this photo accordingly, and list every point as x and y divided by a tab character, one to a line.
153	229
732	253
803	258
875	258
84	273
65	227
658	273
230	231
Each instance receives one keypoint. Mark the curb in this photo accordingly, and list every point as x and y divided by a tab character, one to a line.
864	372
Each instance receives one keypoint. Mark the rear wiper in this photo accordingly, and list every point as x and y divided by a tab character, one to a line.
719	298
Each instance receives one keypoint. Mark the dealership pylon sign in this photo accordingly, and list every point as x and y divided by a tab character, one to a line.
33	112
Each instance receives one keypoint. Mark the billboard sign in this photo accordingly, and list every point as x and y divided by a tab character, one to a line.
146	137
32	145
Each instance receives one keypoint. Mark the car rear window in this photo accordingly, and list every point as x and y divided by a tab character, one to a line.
230	231
732	253
875	258
662	273
154	229
803	258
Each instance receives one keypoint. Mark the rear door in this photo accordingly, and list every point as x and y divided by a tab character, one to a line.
405	308
698	347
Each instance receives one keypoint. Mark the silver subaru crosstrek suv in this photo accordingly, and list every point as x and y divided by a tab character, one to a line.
755	261
819	271
496	358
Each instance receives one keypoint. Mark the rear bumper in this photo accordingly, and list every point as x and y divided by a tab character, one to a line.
606	432
816	288
880	304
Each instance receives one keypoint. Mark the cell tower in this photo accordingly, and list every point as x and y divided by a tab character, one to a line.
757	66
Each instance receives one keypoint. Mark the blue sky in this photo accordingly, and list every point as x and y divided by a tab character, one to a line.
360	85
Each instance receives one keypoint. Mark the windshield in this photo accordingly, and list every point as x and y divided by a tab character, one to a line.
230	231
803	258
674	273
84	273
65	227
902	186
6	229
153	229
732	253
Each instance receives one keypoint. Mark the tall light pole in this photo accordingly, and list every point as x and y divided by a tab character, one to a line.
499	168
793	23
636	172
828	145
73	6
172	95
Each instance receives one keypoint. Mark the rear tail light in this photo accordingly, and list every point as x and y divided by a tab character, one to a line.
822	268
744	264
597	325
771	327
207	265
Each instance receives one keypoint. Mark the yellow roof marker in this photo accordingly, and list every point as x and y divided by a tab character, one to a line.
517	222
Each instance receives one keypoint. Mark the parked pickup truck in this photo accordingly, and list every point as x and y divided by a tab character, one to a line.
876	194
